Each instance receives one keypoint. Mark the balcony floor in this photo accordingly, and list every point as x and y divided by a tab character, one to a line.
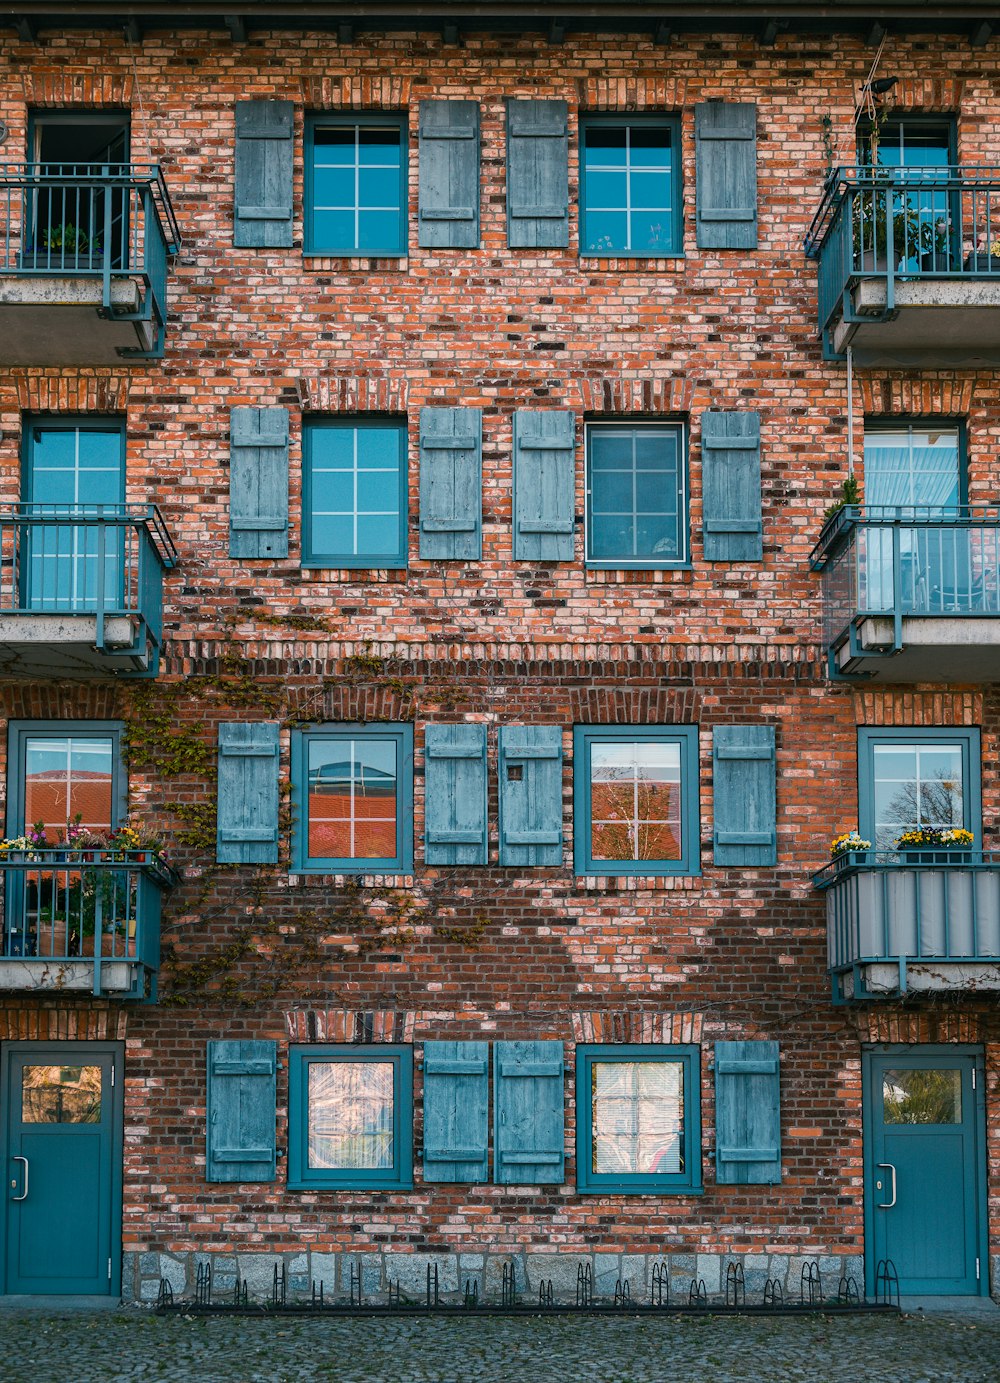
882	978
54	646
936	322
56	320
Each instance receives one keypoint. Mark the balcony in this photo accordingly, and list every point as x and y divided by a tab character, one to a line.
83	263
908	265
84	921
898	925
909	596
81	590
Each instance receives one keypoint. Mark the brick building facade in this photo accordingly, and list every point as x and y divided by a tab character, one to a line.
712	674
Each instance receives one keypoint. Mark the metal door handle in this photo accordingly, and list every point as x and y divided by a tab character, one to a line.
24	1194
887	1205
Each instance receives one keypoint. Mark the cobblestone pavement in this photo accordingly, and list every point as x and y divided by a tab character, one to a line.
132	1344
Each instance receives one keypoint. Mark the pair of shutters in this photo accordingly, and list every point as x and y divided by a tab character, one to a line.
529	797
528	1112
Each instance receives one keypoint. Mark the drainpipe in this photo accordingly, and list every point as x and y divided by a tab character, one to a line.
850	411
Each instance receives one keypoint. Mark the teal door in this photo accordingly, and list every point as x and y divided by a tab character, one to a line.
924	1168
62	1111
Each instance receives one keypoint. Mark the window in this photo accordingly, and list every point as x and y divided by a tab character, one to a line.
638	1119
630	187
636	800
926	221
350	1116
636	495
71	222
914	465
354	494
355	185
910	778
352	796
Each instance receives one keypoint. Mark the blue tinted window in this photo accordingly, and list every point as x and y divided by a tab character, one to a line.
356	186
636	495
354	494
630	202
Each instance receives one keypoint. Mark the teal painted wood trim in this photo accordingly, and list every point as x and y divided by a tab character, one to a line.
544	484
747	1113
398	1177
394	558
374	249
686	737
969	740
732	505
673	247
530	795
685	1182
247	793
240	1139
402	861
455	795
744	795
451	484
676	494
456	1111
528	1113
258	482
264	165
725	147
537	174
449	159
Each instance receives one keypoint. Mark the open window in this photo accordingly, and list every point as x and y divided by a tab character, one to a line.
78	199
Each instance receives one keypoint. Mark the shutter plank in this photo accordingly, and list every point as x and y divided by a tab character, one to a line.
451	484
544	485
264	164
731	486
449	175
455	778
456	1111
240	1142
537	174
747	1113
258	482
531	824
247	793
744	795
529	1118
726	175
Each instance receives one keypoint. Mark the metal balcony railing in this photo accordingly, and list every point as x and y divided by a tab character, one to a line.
104	561
898	224
108	221
84	908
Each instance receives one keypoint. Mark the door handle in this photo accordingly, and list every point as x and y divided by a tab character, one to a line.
24	1195
887	1205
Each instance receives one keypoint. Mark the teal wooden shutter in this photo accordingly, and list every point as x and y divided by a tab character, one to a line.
730	486
544	490
528	1116
537	174
725	149
247	830
240	1137
451	483
530	768
743	792
455	794
449	174
456	1111
264	165
258	482
747	1113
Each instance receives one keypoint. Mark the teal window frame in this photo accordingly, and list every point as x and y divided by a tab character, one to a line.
686	736
301	1177
355	120
394	559
591	122
686	1183
625	427
402	861
969	740
18	734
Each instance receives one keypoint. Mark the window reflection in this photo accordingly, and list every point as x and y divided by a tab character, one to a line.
61	1094
922	1097
350	1115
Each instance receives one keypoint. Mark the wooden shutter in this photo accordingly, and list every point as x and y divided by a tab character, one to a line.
544	491
258	482
725	147
743	793
455	794
531	829
247	830
451	483
730	485
456	1111
240	1139
449	174
264	164
747	1113
528	1117
537	174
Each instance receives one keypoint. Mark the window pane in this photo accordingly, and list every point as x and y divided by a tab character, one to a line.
61	1095
916	785
922	1097
378	447
650	146
607	190
916	467
635	801
651	232
354	492
378	535
379	230
379	144
331	538
635	496
333	230
650	190
334	187
352	798
604	146
607	231
637	1117
379	187
334	143
350	1108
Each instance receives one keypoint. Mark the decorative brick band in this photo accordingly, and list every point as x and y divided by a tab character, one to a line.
603	1026
949	395
74	393
356	93
357	394
624	705
91	1024
636	394
77	86
918	708
925	93
920	1027
633	93
60	701
366	704
349	1025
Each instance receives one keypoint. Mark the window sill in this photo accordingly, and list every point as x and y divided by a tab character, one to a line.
627	883
671	263
350	1185
620	1189
324	261
301	877
375	571
608	573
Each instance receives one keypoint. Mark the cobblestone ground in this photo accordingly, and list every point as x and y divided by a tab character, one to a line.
128	1344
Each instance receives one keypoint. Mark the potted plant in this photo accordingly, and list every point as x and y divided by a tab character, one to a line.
845	845
935	244
872	208
935	845
985	258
